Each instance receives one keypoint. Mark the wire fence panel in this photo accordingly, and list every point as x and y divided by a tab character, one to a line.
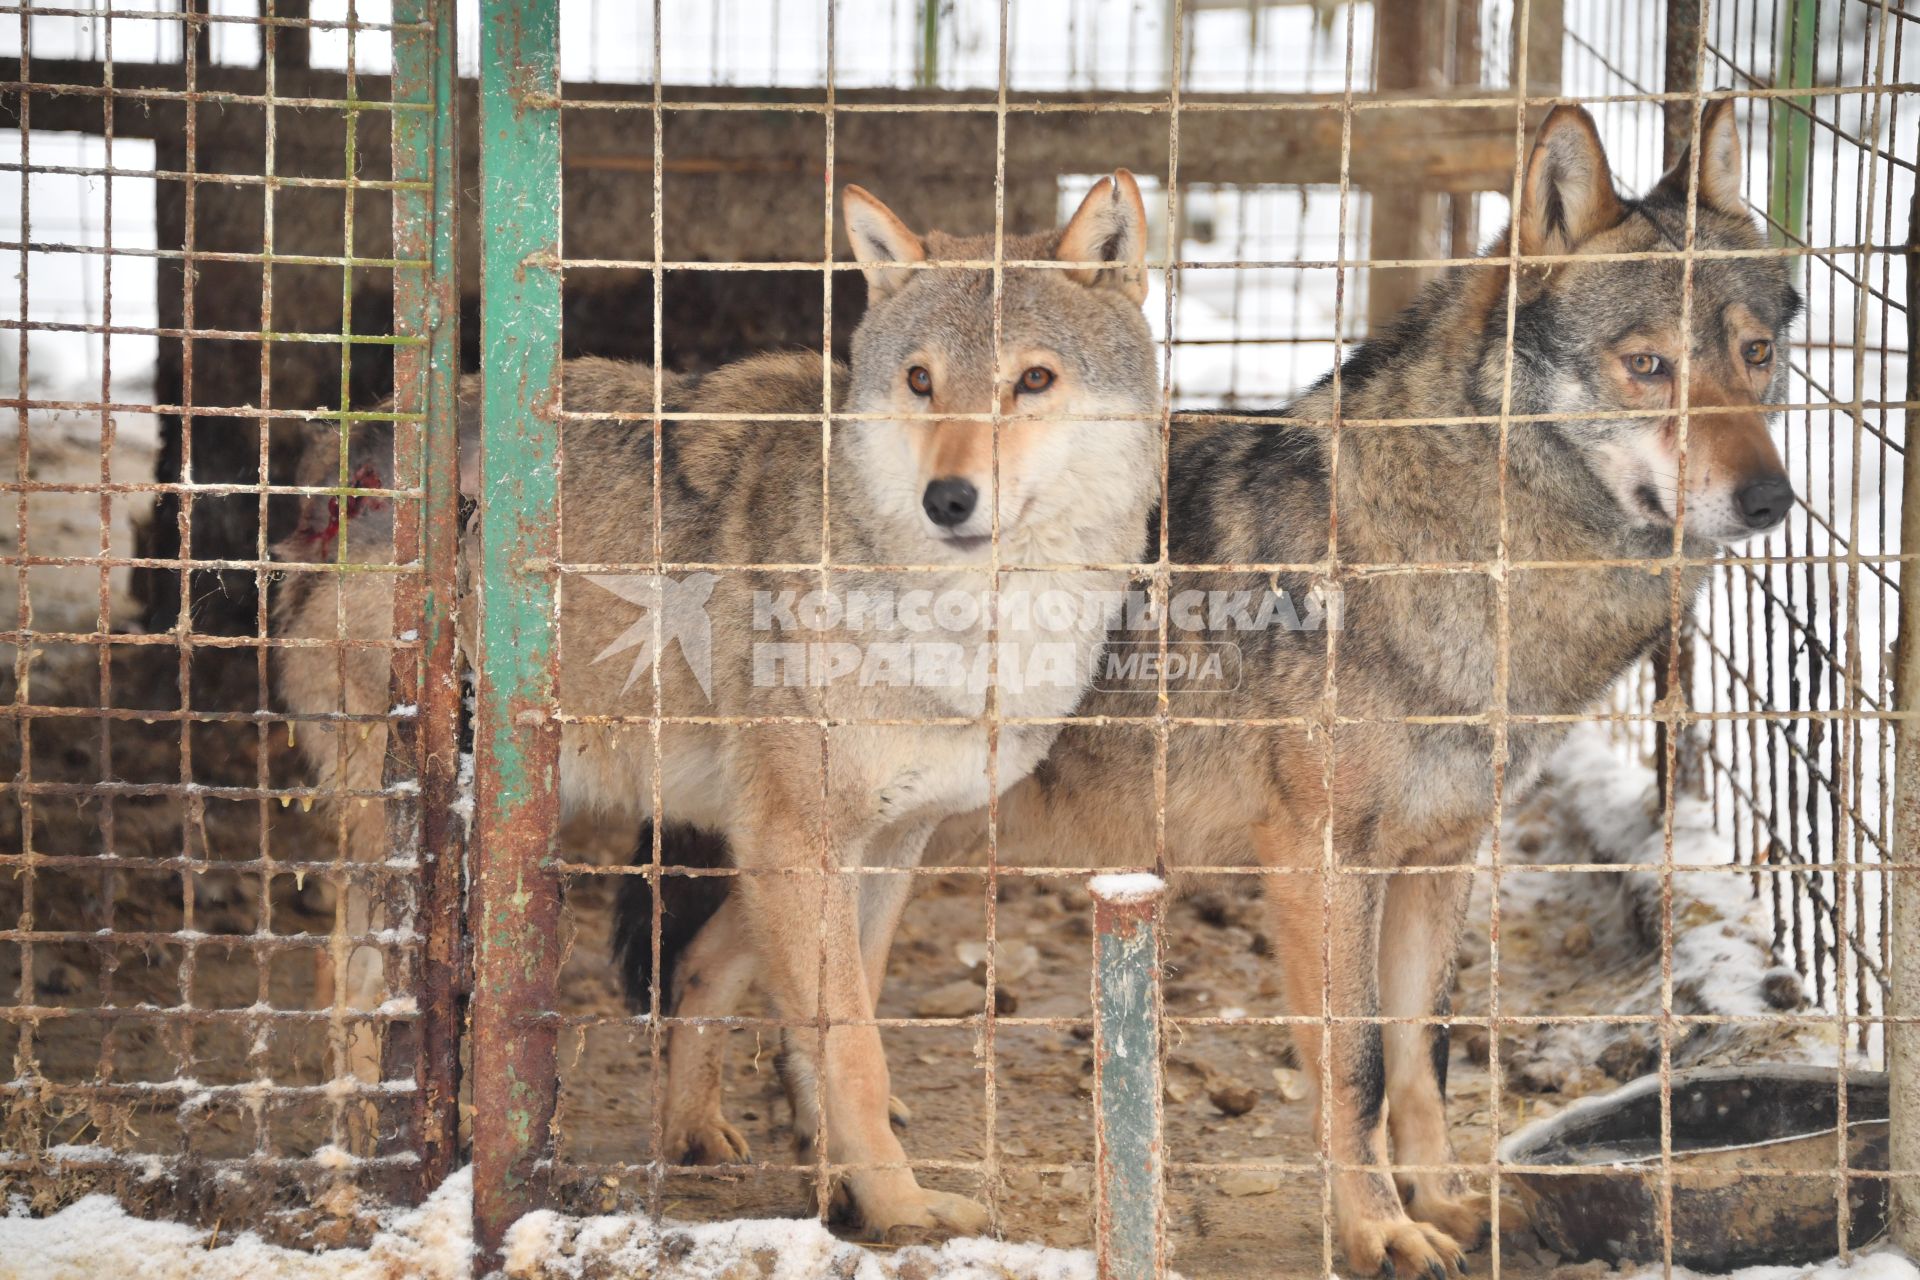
1478	806
221	1005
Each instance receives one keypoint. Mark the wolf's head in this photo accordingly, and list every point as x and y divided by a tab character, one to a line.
1606	336
1073	370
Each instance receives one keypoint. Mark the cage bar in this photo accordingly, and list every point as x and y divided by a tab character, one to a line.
1129	1226
1778	699
427	303
515	920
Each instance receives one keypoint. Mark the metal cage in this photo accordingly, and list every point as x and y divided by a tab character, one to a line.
351	203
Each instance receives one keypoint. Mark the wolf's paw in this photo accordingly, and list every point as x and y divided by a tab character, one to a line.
1464	1216
904	1219
899	1114
1401	1250
710	1140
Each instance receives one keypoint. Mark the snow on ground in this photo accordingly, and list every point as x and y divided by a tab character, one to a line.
551	1246
1589	941
95	1237
1882	1264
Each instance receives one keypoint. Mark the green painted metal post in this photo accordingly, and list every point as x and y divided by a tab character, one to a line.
1129	1230
426	211
1795	43
516	896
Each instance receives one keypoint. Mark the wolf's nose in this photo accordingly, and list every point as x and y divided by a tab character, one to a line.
949	501
1764	503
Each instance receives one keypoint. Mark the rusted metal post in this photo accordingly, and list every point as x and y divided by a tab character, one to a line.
1129	1230
426	380
1903	999
516	894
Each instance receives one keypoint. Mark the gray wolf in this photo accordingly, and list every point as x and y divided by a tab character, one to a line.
1360	824
920	475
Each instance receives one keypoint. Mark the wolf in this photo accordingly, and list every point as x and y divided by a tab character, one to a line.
1002	431
1355	766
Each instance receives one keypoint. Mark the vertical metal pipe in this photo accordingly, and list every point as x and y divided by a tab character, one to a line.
1903	1001
515	923
1129	1226
1795	49
427	379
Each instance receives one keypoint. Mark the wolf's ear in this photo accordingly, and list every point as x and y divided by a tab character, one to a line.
1568	193
1110	226
878	236
1720	167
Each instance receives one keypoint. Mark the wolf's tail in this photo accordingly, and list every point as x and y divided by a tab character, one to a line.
686	903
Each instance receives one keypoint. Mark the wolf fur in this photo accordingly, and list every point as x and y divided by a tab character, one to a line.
1069	483
1361	826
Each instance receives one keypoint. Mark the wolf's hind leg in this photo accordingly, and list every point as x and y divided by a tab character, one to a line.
1371	1223
1419	940
714	974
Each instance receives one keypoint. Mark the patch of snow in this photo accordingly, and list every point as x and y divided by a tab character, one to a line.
1593	808
1132	886
95	1237
463	788
547	1246
1882	1264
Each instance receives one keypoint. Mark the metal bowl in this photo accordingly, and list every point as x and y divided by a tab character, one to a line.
1755	1172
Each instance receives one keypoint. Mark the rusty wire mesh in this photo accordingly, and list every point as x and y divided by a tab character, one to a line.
177	940
1746	718
174	901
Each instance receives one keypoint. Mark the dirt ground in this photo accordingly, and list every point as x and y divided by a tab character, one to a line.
1232	1095
209	934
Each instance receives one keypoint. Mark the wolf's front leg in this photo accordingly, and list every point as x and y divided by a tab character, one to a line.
804	921
1372	1225
714	973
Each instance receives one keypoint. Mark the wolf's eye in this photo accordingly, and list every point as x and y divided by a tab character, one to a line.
1646	365
1758	352
1038	378
919	381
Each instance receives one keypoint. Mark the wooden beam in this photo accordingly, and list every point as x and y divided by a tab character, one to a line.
1405	221
1435	148
1546	40
289	48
